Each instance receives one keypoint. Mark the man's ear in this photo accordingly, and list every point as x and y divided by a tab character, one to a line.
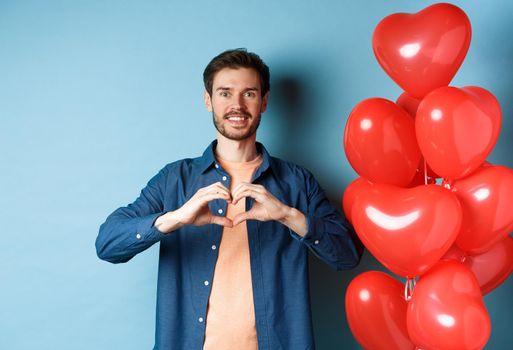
264	102
208	100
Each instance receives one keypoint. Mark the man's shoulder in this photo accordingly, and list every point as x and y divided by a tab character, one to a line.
183	165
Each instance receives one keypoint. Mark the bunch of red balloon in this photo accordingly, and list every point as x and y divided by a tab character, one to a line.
427	205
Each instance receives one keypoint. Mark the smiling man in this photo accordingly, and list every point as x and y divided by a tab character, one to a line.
235	226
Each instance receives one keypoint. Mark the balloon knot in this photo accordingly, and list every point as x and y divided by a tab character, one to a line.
408	288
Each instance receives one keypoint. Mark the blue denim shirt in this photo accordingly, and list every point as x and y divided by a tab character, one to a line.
278	256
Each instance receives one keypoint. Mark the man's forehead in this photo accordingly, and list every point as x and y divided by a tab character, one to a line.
237	77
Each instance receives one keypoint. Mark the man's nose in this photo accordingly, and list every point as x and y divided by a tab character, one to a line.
238	103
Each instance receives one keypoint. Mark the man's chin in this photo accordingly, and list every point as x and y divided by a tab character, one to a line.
235	136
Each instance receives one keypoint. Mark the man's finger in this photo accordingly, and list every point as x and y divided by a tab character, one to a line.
220	189
240	188
241	217
248	192
206	189
246	185
215	195
221	220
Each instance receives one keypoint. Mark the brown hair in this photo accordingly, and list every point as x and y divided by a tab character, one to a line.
237	58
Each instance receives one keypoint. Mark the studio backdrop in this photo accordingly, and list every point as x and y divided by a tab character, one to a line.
97	96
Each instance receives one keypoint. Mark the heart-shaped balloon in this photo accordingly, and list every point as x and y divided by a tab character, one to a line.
492	267
423	51
380	144
409	103
454	253
376	312
352	192
407	229
447	310
485	198
457	128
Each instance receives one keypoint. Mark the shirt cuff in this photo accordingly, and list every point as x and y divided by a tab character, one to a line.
145	231
314	233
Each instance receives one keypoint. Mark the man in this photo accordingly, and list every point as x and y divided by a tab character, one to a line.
234	226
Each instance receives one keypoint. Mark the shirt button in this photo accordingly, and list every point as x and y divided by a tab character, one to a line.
214	247
206	283
224	178
200	320
138	236
217	166
316	241
220	211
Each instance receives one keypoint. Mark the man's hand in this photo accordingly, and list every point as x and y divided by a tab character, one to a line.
195	211
267	207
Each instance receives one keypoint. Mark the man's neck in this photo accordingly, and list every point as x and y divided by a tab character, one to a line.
236	151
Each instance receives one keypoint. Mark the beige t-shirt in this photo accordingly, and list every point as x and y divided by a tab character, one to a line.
230	323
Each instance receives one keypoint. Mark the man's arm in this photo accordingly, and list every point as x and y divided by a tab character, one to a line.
133	229
329	236
129	230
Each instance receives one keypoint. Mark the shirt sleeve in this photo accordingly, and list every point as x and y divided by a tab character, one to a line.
129	230
329	236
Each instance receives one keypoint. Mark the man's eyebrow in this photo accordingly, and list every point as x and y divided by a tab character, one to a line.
224	88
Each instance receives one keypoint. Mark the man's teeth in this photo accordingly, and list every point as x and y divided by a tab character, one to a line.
237	118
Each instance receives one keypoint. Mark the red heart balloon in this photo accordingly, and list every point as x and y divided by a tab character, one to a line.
380	144
376	312
352	192
447	311
457	128
485	198
454	253
407	229
409	103
423	51
493	266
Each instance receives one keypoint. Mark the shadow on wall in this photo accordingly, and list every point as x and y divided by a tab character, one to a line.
292	109
296	128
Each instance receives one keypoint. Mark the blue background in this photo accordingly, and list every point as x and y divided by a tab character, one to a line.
97	96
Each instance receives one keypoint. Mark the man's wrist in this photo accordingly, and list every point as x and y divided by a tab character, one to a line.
296	221
168	222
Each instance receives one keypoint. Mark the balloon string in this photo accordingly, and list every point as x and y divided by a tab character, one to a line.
425	173
408	288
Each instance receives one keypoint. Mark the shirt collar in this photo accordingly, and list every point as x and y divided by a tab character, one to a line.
208	158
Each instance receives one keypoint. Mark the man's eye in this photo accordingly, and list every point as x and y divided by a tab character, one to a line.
223	94
250	94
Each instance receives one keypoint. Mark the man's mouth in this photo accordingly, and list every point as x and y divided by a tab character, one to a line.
237	117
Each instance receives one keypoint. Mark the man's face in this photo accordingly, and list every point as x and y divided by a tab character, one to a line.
236	102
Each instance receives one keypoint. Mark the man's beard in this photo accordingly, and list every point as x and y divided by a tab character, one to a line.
236	136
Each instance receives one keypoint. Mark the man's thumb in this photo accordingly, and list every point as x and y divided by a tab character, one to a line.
240	218
220	220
